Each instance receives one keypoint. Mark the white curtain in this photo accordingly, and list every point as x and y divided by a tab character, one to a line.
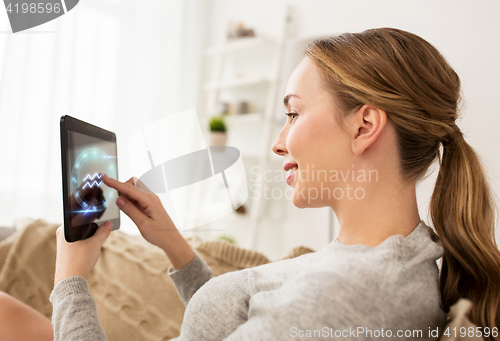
114	63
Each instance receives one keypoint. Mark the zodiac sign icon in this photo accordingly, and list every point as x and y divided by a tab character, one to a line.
94	183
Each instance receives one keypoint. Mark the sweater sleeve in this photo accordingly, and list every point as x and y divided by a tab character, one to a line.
74	314
190	278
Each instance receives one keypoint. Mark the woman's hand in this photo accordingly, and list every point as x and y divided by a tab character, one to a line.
79	258
147	212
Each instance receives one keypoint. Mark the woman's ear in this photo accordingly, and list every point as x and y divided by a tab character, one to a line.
367	122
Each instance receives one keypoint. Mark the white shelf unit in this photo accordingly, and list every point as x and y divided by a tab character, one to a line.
253	133
233	83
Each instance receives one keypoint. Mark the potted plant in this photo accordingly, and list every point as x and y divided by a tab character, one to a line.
218	131
227	238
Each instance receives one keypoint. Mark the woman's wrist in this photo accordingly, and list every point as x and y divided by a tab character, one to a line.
62	276
178	251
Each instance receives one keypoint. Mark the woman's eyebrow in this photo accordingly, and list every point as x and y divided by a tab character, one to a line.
287	98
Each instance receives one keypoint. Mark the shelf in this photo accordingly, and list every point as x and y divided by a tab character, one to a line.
249	69
238	82
238	45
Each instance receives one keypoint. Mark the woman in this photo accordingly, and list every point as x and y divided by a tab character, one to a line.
368	114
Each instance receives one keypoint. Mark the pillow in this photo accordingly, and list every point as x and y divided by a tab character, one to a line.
459	318
27	265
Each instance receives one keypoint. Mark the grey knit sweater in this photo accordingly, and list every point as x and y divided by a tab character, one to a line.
339	292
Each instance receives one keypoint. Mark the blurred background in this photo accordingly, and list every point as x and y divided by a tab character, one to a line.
124	64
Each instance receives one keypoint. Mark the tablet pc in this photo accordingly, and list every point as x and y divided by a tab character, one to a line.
87	152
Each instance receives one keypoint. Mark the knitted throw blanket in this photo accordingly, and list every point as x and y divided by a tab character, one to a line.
136	300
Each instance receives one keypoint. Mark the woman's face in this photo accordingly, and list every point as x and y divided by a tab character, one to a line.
312	140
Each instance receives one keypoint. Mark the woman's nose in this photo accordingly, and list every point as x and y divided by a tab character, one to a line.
279	146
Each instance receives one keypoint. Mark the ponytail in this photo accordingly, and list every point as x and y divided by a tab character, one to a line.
462	211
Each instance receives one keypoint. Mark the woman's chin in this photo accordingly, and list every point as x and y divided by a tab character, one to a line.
298	204
300	201
304	204
304	201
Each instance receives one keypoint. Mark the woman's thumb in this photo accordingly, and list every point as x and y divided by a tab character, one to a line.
103	231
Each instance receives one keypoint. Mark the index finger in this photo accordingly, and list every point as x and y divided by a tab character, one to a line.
128	189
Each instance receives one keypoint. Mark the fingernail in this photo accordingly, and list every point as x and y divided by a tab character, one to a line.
120	201
109	225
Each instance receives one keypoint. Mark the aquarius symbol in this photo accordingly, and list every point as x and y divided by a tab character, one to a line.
98	175
94	183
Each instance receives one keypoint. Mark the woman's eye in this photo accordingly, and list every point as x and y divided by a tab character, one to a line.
292	115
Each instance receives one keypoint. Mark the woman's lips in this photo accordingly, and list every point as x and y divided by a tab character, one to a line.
291	172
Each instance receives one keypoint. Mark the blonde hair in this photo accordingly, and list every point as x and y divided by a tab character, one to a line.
407	77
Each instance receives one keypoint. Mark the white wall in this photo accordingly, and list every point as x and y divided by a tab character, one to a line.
466	32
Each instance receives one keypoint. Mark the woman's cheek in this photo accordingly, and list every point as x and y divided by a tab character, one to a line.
296	144
303	139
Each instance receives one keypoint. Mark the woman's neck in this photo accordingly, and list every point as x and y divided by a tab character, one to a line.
387	209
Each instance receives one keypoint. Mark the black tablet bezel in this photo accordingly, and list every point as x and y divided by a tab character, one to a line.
70	123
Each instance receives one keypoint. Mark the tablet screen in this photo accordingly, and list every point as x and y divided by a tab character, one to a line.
91	202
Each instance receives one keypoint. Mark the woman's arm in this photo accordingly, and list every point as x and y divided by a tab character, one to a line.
74	314
190	278
188	271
